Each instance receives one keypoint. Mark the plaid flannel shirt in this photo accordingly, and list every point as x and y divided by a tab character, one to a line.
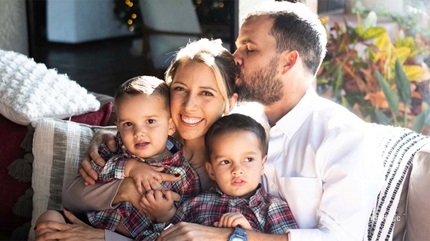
265	212
137	223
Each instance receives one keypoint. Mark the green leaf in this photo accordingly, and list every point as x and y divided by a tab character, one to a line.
370	21
402	53
373	32
383	42
338	81
390	95
381	117
421	120
402	84
414	72
345	102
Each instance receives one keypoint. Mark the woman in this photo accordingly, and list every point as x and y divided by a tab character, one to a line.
201	83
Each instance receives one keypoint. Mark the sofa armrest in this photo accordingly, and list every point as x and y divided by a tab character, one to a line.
418	202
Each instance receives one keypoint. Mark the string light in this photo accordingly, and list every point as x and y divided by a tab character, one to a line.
128	12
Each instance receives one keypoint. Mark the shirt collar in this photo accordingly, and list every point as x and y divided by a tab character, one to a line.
254	200
292	121
173	145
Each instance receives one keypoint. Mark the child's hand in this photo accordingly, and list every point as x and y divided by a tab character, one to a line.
158	204
144	176
231	220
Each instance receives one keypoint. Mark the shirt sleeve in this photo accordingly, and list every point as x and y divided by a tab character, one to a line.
80	198
114	168
112	236
189	186
183	212
279	218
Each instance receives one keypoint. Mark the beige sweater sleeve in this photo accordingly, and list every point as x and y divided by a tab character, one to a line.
79	198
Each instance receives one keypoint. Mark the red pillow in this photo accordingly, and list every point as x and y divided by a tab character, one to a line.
96	118
11	189
11	138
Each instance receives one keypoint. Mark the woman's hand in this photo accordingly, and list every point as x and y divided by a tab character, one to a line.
99	138
69	232
158	204
231	220
191	231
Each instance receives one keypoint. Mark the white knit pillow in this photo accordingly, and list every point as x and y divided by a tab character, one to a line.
29	91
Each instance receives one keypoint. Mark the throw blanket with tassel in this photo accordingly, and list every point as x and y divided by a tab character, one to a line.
397	147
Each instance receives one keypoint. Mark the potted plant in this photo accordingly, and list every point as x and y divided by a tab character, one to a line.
375	77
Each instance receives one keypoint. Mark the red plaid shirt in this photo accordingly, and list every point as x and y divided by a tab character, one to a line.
265	213
137	223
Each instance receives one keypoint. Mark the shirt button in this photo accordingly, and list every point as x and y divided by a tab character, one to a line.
273	186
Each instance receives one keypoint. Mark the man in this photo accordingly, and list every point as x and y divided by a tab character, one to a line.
320	155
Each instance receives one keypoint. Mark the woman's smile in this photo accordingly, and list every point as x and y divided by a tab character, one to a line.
191	120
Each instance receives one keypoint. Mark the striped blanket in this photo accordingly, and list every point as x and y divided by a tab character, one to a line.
397	147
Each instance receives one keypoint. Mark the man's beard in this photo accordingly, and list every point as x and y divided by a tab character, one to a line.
262	86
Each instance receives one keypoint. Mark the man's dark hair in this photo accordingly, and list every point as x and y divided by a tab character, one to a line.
295	27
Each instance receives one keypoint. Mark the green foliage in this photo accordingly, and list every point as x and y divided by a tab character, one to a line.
370	74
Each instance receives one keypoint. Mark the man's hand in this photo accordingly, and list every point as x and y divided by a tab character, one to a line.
158	204
194	232
85	169
231	220
69	232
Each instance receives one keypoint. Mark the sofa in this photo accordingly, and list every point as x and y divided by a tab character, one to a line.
30	93
43	142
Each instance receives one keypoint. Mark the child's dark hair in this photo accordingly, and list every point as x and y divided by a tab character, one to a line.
233	123
144	85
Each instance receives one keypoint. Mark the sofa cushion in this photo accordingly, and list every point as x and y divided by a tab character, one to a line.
15	166
418	206
96	118
11	189
58	147
29	91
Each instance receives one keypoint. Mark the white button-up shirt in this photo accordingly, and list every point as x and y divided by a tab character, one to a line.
322	160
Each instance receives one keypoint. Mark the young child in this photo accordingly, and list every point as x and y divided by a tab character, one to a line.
237	147
144	126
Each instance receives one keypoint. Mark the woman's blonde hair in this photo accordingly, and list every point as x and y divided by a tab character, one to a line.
216	57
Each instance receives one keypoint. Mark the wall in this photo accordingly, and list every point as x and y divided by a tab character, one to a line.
247	5
13	27
75	21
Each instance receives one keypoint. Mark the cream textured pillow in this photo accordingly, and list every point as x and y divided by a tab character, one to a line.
58	147
29	91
